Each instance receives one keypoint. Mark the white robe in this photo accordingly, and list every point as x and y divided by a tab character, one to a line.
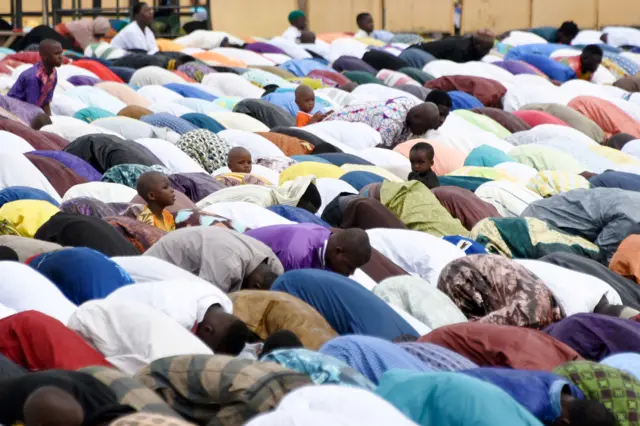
131	37
291	33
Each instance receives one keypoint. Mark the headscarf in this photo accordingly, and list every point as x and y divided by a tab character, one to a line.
88	206
134	111
222	257
625	261
82	274
61	177
503	346
206	148
438	358
322	369
203	121
346	305
17	193
73	230
371	356
596	336
428	398
27	216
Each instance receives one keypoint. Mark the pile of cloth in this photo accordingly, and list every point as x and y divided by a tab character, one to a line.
447	241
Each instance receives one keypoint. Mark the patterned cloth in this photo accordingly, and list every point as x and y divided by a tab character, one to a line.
388	118
548	183
148	419
141	235
190	217
206	148
6	228
277	164
235	179
528	238
617	390
196	70
495	290
88	206
125	174
219	390
437	357
164	119
321	368
130	392
166	224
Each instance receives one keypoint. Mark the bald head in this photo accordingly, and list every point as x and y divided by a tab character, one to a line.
422	118
51	406
239	160
348	250
305	98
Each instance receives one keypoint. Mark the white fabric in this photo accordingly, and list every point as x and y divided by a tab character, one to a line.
338	97
416	252
330	188
71	129
132	37
520	38
603	76
622	36
320	48
197	105
204	39
391	161
576	88
587	37
129	128
332	405
6	311
171	156
463	135
632	148
132	335
174	108
95	97
540	92
421	299
277	58
257	145
64	105
155	93
247	56
575	292
257	170
248	214
522	172
152	75
232	85
184	301
510	199
291	33
550	131
420	327
107	192
67	71
356	136
372	92
17	170
634	57
144	269
290	47
237	121
13	143
22	288
347	47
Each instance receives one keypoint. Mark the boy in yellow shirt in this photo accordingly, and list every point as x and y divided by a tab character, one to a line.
156	190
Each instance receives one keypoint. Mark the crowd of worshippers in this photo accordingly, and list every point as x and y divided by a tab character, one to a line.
349	241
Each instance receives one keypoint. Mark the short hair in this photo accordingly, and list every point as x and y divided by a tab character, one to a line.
362	16
40	120
439	97
590	413
7	253
569	28
281	339
234	341
356	243
47	43
137	7
145	182
593	49
425	147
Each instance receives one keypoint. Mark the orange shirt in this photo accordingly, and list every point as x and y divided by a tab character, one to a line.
302	119
166	224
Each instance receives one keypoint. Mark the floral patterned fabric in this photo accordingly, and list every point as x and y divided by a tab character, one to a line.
140	234
206	148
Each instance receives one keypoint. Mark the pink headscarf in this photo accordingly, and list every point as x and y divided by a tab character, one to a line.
84	30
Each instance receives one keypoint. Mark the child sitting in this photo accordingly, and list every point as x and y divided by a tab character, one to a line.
156	190
239	160
421	157
306	101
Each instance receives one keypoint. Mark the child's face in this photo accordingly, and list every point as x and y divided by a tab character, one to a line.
420	163
240	163
306	101
162	193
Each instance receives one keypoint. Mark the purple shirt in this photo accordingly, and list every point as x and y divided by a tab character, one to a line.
299	246
28	88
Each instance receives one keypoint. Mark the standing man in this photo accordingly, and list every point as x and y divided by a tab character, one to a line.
36	85
137	36
298	21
